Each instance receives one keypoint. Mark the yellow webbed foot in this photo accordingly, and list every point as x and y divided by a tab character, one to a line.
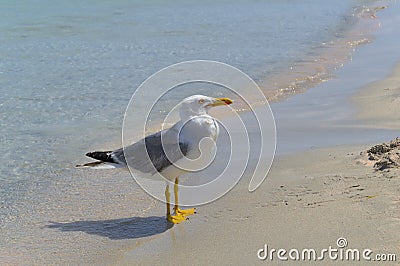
185	212
176	219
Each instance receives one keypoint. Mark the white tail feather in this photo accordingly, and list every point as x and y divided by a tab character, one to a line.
99	165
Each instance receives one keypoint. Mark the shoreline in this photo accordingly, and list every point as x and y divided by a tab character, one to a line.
321	65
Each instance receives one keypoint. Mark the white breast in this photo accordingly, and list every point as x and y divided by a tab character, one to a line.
192	132
200	127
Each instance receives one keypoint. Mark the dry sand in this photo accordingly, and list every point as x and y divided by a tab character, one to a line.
379	102
309	201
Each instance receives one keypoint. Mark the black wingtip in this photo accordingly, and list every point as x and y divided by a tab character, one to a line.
91	154
104	156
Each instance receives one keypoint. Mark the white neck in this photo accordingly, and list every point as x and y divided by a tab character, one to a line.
186	112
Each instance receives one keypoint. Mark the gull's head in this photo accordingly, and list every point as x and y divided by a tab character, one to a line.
199	105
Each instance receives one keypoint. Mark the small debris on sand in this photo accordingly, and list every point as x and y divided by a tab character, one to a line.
385	155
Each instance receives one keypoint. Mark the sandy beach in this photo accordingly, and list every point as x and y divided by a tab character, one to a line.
310	200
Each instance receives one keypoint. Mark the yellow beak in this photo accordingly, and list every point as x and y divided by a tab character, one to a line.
221	101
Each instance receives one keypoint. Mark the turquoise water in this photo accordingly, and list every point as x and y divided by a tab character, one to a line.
69	68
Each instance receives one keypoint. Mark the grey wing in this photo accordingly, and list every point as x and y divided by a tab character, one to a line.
157	160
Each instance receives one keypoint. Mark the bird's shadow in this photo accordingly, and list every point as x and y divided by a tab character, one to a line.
123	228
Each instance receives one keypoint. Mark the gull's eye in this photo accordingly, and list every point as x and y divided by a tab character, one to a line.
201	101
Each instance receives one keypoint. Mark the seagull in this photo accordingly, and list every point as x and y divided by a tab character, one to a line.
168	147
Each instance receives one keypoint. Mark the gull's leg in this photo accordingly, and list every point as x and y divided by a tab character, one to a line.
176	208
176	219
